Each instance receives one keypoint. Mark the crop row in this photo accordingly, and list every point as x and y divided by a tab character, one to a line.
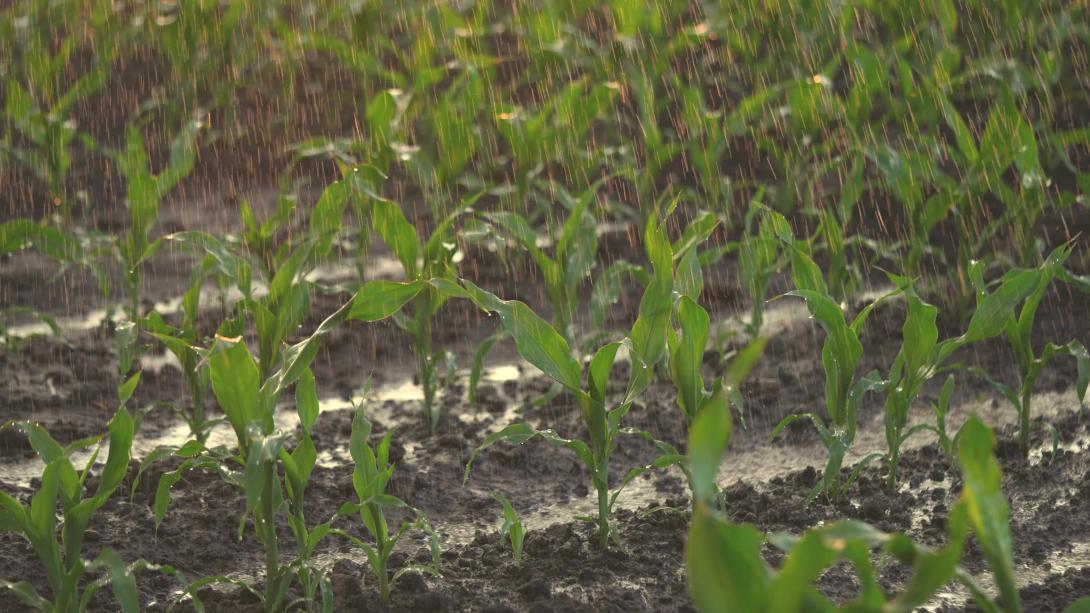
668	338
842	116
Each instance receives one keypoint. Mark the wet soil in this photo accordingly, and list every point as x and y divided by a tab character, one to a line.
68	384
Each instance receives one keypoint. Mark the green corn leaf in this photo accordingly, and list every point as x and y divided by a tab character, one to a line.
380	299
126	390
997	308
512	527
399	235
121	428
962	135
607	289
263	454
516	434
326	217
688	356
306	400
598	371
41	441
42	514
931	570
519	433
18	234
708	439
742	363
839	354
689	279
286	281
183	154
535	339
920	333
236	384
1081	605
478	364
986	505
14	517
122	581
724	566
809	556
228	263
26	594
805	272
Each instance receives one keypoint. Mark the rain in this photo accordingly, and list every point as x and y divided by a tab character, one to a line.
544	305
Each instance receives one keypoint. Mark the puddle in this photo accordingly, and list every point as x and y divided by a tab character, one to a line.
379	403
1024	575
378	267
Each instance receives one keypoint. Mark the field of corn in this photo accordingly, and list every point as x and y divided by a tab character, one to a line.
544	305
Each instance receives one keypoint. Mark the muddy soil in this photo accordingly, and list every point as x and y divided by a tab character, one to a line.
68	384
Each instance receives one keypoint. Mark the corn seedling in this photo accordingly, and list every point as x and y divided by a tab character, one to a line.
248	403
249	400
369	479
574	254
60	547
986	507
840	356
202	44
1018	329
512	528
552	132
922	355
38	107
433	259
758	260
182	342
706	143
145	192
843	271
687	338
656	149
686	349
543	346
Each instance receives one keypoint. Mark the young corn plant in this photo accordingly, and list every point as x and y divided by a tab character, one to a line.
840	247
908	175
553	132
573	258
727	572
512	528
1018	330
38	103
543	346
182	342
55	522
658	151
688	259
370	476
923	356
248	403
687	342
705	143
422	261
758	260
145	192
276	315
274	477
840	356
687	339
